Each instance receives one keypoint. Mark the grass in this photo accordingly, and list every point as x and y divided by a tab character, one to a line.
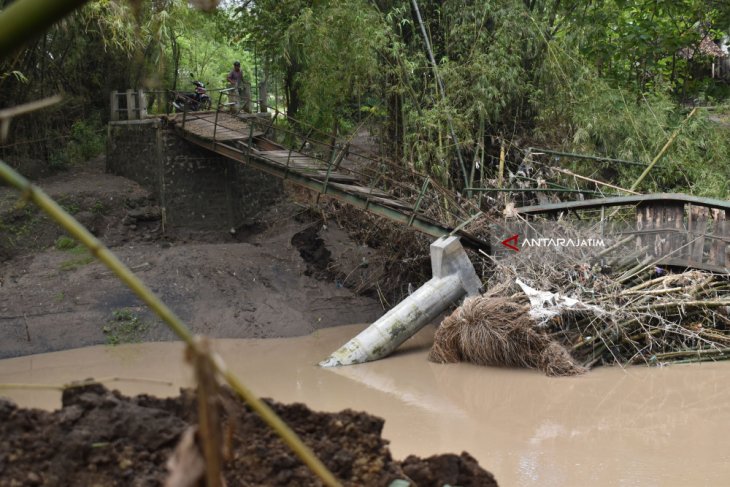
73	264
98	208
22	223
67	244
125	326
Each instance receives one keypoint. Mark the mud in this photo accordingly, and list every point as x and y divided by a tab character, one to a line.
270	278
100	437
610	427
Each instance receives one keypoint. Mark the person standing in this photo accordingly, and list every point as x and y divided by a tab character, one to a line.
235	81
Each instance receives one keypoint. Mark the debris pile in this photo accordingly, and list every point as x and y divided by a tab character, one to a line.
563	311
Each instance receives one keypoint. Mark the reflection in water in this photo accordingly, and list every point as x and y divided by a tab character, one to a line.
609	427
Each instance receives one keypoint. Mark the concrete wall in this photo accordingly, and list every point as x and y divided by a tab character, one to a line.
196	188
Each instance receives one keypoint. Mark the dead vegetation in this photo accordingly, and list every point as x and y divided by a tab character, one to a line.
499	331
587	309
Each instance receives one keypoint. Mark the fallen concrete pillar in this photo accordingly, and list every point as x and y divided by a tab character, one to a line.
453	277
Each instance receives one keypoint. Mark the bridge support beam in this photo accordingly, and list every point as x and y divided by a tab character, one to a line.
453	277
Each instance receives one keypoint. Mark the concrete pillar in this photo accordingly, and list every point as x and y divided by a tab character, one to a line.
453	278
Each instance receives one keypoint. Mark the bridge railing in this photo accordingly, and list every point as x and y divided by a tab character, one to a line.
426	196
676	229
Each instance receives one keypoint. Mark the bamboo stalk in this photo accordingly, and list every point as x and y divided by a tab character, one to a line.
209	425
77	231
594	181
688	353
663	150
500	176
645	284
677	304
654	292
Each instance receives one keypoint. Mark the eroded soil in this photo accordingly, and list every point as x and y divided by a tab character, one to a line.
100	437
275	277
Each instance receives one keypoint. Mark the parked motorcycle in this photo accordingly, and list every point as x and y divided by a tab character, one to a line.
195	101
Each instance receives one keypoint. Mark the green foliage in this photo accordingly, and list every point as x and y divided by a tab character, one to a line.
644	46
73	264
594	77
483	51
582	112
125	326
342	44
99	208
87	140
206	54
20	225
65	243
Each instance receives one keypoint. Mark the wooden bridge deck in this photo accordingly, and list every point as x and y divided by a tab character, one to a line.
203	124
238	139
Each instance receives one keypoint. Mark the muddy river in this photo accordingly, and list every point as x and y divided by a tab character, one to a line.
648	427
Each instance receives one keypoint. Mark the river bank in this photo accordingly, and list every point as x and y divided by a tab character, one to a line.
609	427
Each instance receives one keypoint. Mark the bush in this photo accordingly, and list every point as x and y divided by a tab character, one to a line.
583	113
87	140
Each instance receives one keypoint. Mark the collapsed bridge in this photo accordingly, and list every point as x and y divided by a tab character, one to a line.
250	141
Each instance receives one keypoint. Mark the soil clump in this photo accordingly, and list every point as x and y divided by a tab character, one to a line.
100	437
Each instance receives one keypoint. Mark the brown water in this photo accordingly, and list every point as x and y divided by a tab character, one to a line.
648	427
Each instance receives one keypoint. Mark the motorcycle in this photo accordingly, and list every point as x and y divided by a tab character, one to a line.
195	101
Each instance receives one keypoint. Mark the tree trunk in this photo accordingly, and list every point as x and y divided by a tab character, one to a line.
290	87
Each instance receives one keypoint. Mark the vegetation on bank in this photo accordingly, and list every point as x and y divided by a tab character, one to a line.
612	78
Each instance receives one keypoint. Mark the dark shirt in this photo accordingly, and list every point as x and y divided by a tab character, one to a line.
235	77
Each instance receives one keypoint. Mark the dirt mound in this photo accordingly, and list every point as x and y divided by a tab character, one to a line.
103	438
499	331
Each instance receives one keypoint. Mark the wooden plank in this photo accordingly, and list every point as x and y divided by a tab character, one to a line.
141	104
678	240
659	237
672	217
334	177
694	265
294	160
283	153
721	229
364	190
624	201
114	106
640	225
393	203
645	226
697	233
130	105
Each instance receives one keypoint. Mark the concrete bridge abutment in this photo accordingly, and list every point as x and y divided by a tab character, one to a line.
196	188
